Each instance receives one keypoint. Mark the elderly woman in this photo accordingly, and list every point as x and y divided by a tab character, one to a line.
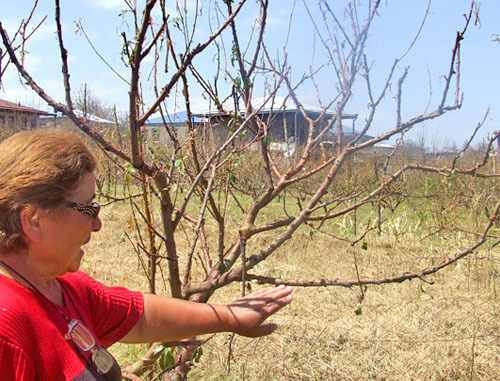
55	321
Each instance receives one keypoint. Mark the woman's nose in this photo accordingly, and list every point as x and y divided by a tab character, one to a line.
96	224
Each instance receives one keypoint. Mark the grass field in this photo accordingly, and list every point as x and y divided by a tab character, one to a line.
411	331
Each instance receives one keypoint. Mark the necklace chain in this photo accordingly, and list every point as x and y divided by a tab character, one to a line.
55	305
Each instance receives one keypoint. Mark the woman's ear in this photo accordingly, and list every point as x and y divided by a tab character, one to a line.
30	222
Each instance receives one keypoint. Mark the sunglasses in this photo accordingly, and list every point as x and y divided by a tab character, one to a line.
104	361
91	210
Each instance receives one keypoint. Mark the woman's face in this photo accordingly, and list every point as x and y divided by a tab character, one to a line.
66	230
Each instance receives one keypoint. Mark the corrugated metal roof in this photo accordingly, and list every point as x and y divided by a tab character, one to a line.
384	145
17	107
178	117
91	118
87	116
278	104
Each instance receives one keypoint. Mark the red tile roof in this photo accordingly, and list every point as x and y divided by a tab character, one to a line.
17	107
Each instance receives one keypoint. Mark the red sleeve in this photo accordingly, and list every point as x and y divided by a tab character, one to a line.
113	311
14	364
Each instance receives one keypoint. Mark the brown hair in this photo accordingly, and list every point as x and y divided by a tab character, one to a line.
37	167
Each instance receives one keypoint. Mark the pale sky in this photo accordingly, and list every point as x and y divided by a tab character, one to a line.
389	37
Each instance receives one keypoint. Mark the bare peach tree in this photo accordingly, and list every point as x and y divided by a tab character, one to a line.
247	163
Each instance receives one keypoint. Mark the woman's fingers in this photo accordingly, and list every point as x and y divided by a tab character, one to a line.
267	300
277	304
266	295
250	312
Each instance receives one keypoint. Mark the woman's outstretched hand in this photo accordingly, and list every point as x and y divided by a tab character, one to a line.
169	319
247	315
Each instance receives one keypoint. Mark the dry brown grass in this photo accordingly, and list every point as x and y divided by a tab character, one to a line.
409	331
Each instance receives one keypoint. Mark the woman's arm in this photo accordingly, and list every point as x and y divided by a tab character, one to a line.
170	319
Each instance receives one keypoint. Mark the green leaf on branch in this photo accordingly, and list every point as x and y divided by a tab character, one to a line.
198	354
364	246
233	179
246	83
167	359
176	23
359	309
234	54
237	83
129	171
179	164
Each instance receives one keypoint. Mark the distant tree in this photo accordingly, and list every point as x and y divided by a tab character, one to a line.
86	101
414	148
